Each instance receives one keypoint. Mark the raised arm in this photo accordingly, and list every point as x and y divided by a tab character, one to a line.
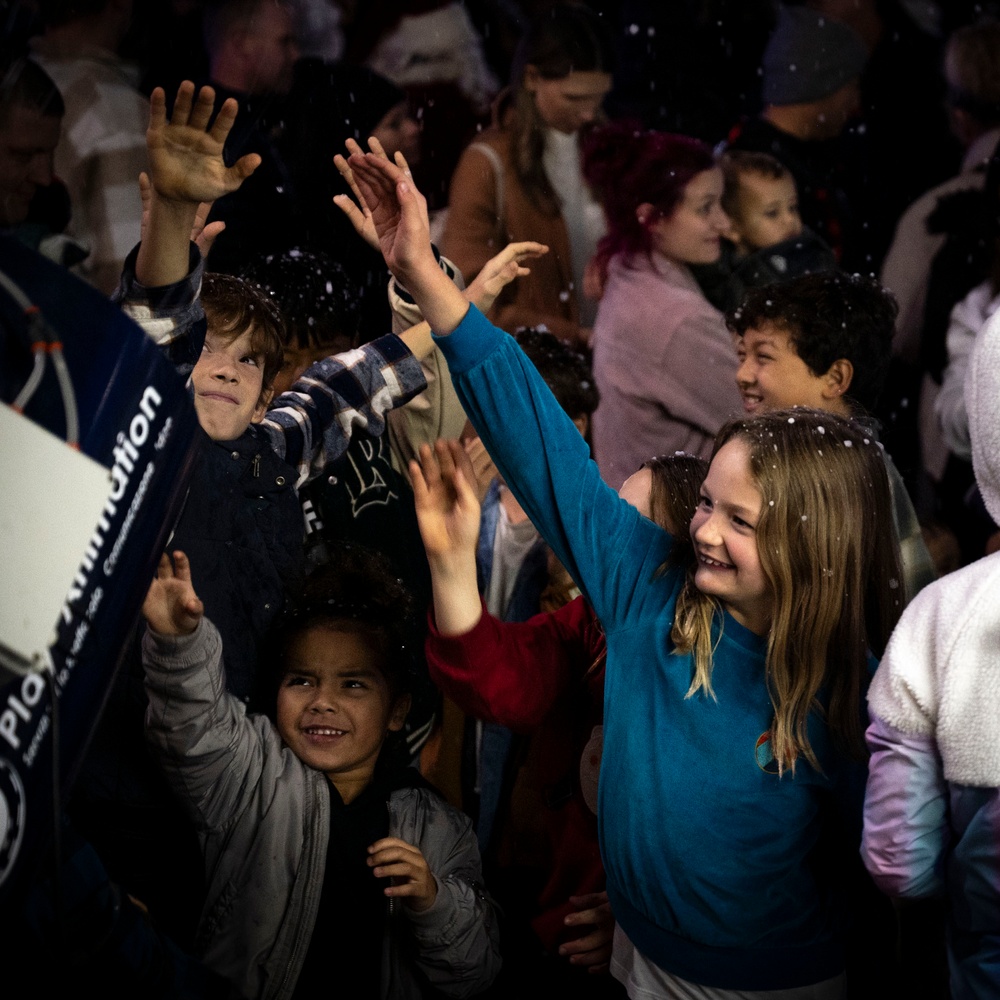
399	215
199	732
494	275
311	424
448	516
162	276
536	447
510	673
186	168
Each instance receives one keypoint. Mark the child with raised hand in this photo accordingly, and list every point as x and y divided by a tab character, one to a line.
311	836
543	677
241	524
732	778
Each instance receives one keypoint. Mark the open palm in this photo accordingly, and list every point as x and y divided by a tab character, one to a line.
185	154
447	508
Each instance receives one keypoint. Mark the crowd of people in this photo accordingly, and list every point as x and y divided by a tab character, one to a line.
583	581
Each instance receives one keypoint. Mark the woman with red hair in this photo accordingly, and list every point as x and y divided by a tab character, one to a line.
663	359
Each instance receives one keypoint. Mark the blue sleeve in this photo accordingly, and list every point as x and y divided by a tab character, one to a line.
607	546
311	424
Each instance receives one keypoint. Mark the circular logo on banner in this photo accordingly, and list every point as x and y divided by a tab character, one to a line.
12	814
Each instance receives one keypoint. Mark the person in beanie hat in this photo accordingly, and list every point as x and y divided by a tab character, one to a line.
810	57
812	67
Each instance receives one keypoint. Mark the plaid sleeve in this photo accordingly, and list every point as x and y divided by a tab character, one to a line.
311	424
172	315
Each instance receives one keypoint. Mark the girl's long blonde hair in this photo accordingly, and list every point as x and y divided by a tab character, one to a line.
828	549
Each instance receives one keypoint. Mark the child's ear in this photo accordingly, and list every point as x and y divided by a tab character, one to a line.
262	404
400	710
645	213
838	378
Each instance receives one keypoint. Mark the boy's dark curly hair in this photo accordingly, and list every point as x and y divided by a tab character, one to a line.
829	315
356	592
566	371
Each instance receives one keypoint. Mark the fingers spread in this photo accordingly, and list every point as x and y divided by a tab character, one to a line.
203	107
182	103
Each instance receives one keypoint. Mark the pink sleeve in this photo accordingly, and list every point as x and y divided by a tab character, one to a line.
905	819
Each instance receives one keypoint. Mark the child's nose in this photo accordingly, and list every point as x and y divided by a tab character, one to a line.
707	531
225	370
321	700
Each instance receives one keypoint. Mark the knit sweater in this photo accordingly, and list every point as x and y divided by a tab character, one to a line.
715	866
664	364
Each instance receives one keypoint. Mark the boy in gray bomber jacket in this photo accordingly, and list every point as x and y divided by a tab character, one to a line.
325	865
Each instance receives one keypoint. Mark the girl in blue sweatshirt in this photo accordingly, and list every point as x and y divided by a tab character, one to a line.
733	769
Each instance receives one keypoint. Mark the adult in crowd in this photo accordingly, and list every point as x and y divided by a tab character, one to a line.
812	68
252	49
103	144
522	179
663	359
972	73
34	206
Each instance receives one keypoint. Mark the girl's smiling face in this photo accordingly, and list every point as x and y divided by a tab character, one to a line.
724	533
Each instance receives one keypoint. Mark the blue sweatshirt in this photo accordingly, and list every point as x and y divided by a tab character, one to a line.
719	870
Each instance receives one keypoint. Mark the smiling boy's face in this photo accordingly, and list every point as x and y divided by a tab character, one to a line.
228	386
772	376
335	706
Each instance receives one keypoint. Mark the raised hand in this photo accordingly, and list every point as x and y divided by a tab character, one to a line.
185	153
171	606
500	271
445	500
483	469
592	949
413	881
398	213
359	214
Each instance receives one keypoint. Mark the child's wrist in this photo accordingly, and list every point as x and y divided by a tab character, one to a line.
180	209
453	566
